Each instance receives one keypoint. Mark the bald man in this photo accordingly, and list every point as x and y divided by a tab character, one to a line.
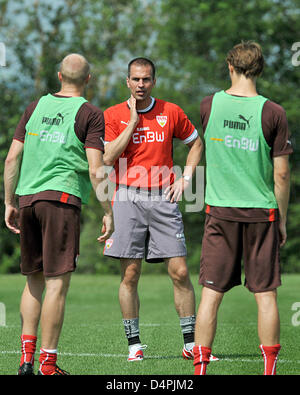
51	165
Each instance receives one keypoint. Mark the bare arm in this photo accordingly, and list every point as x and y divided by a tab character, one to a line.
282	191
11	176
174	191
194	156
98	178
115	148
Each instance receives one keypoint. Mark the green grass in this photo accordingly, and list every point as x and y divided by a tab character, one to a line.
93	340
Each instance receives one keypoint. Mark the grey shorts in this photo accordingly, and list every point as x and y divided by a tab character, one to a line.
147	226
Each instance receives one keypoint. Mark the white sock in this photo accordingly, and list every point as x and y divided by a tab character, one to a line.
189	346
134	345
48	351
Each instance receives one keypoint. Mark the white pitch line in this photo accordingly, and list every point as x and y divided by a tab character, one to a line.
89	325
103	355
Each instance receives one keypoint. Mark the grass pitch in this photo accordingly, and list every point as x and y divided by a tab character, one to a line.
93	340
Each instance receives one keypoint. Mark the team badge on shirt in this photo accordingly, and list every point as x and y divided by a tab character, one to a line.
162	120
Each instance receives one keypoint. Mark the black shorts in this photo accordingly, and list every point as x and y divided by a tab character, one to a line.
226	243
49	238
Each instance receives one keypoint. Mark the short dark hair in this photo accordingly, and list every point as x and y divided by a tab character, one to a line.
142	62
246	58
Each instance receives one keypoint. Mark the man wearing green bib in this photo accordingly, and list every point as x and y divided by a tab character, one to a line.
247	193
52	165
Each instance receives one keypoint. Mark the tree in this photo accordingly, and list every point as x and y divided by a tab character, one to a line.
187	39
192	56
38	36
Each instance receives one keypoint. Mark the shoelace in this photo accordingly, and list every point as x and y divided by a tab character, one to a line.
136	348
143	347
60	372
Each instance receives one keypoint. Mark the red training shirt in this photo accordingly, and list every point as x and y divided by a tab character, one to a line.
148	159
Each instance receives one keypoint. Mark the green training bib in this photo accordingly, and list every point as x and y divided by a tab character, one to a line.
239	170
54	158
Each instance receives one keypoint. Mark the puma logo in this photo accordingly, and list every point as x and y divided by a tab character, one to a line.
245	119
61	117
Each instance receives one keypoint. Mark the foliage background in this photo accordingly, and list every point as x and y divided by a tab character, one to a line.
187	39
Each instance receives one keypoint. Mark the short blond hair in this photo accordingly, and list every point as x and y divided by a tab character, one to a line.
74	69
247	59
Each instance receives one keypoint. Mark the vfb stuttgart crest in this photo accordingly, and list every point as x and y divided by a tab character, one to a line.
162	120
108	243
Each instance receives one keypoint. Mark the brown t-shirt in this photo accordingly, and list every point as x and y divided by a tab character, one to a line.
276	133
89	128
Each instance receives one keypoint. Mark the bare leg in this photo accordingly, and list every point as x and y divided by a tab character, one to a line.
184	296
53	308
128	292
31	302
268	318
206	321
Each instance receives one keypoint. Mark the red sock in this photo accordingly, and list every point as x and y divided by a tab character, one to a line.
47	362
270	354
28	348
201	359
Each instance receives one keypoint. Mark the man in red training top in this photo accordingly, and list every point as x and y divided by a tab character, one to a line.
139	137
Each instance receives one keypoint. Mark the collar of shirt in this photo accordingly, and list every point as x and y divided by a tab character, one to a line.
147	108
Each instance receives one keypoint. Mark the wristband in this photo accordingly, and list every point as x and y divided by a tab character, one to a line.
187	178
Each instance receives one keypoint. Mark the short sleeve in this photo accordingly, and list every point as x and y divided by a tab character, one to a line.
205	109
111	129
183	127
89	126
21	127
276	130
